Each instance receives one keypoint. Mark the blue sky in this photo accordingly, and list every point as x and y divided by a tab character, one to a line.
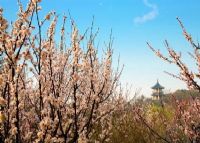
133	22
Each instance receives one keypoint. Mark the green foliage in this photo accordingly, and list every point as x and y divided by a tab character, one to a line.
128	128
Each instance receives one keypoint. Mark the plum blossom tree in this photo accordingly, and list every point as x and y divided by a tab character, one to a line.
50	92
187	117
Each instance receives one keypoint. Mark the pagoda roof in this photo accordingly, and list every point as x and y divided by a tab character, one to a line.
157	86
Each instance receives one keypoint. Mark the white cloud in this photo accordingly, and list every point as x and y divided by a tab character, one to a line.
148	16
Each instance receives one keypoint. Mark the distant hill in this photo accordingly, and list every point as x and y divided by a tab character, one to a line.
181	94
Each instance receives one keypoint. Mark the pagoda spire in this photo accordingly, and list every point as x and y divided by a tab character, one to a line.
157	91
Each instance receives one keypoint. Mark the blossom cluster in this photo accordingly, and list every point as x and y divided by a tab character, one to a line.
52	93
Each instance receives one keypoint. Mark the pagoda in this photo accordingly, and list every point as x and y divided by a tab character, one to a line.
157	91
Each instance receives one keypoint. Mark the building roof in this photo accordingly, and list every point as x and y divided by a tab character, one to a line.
157	86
